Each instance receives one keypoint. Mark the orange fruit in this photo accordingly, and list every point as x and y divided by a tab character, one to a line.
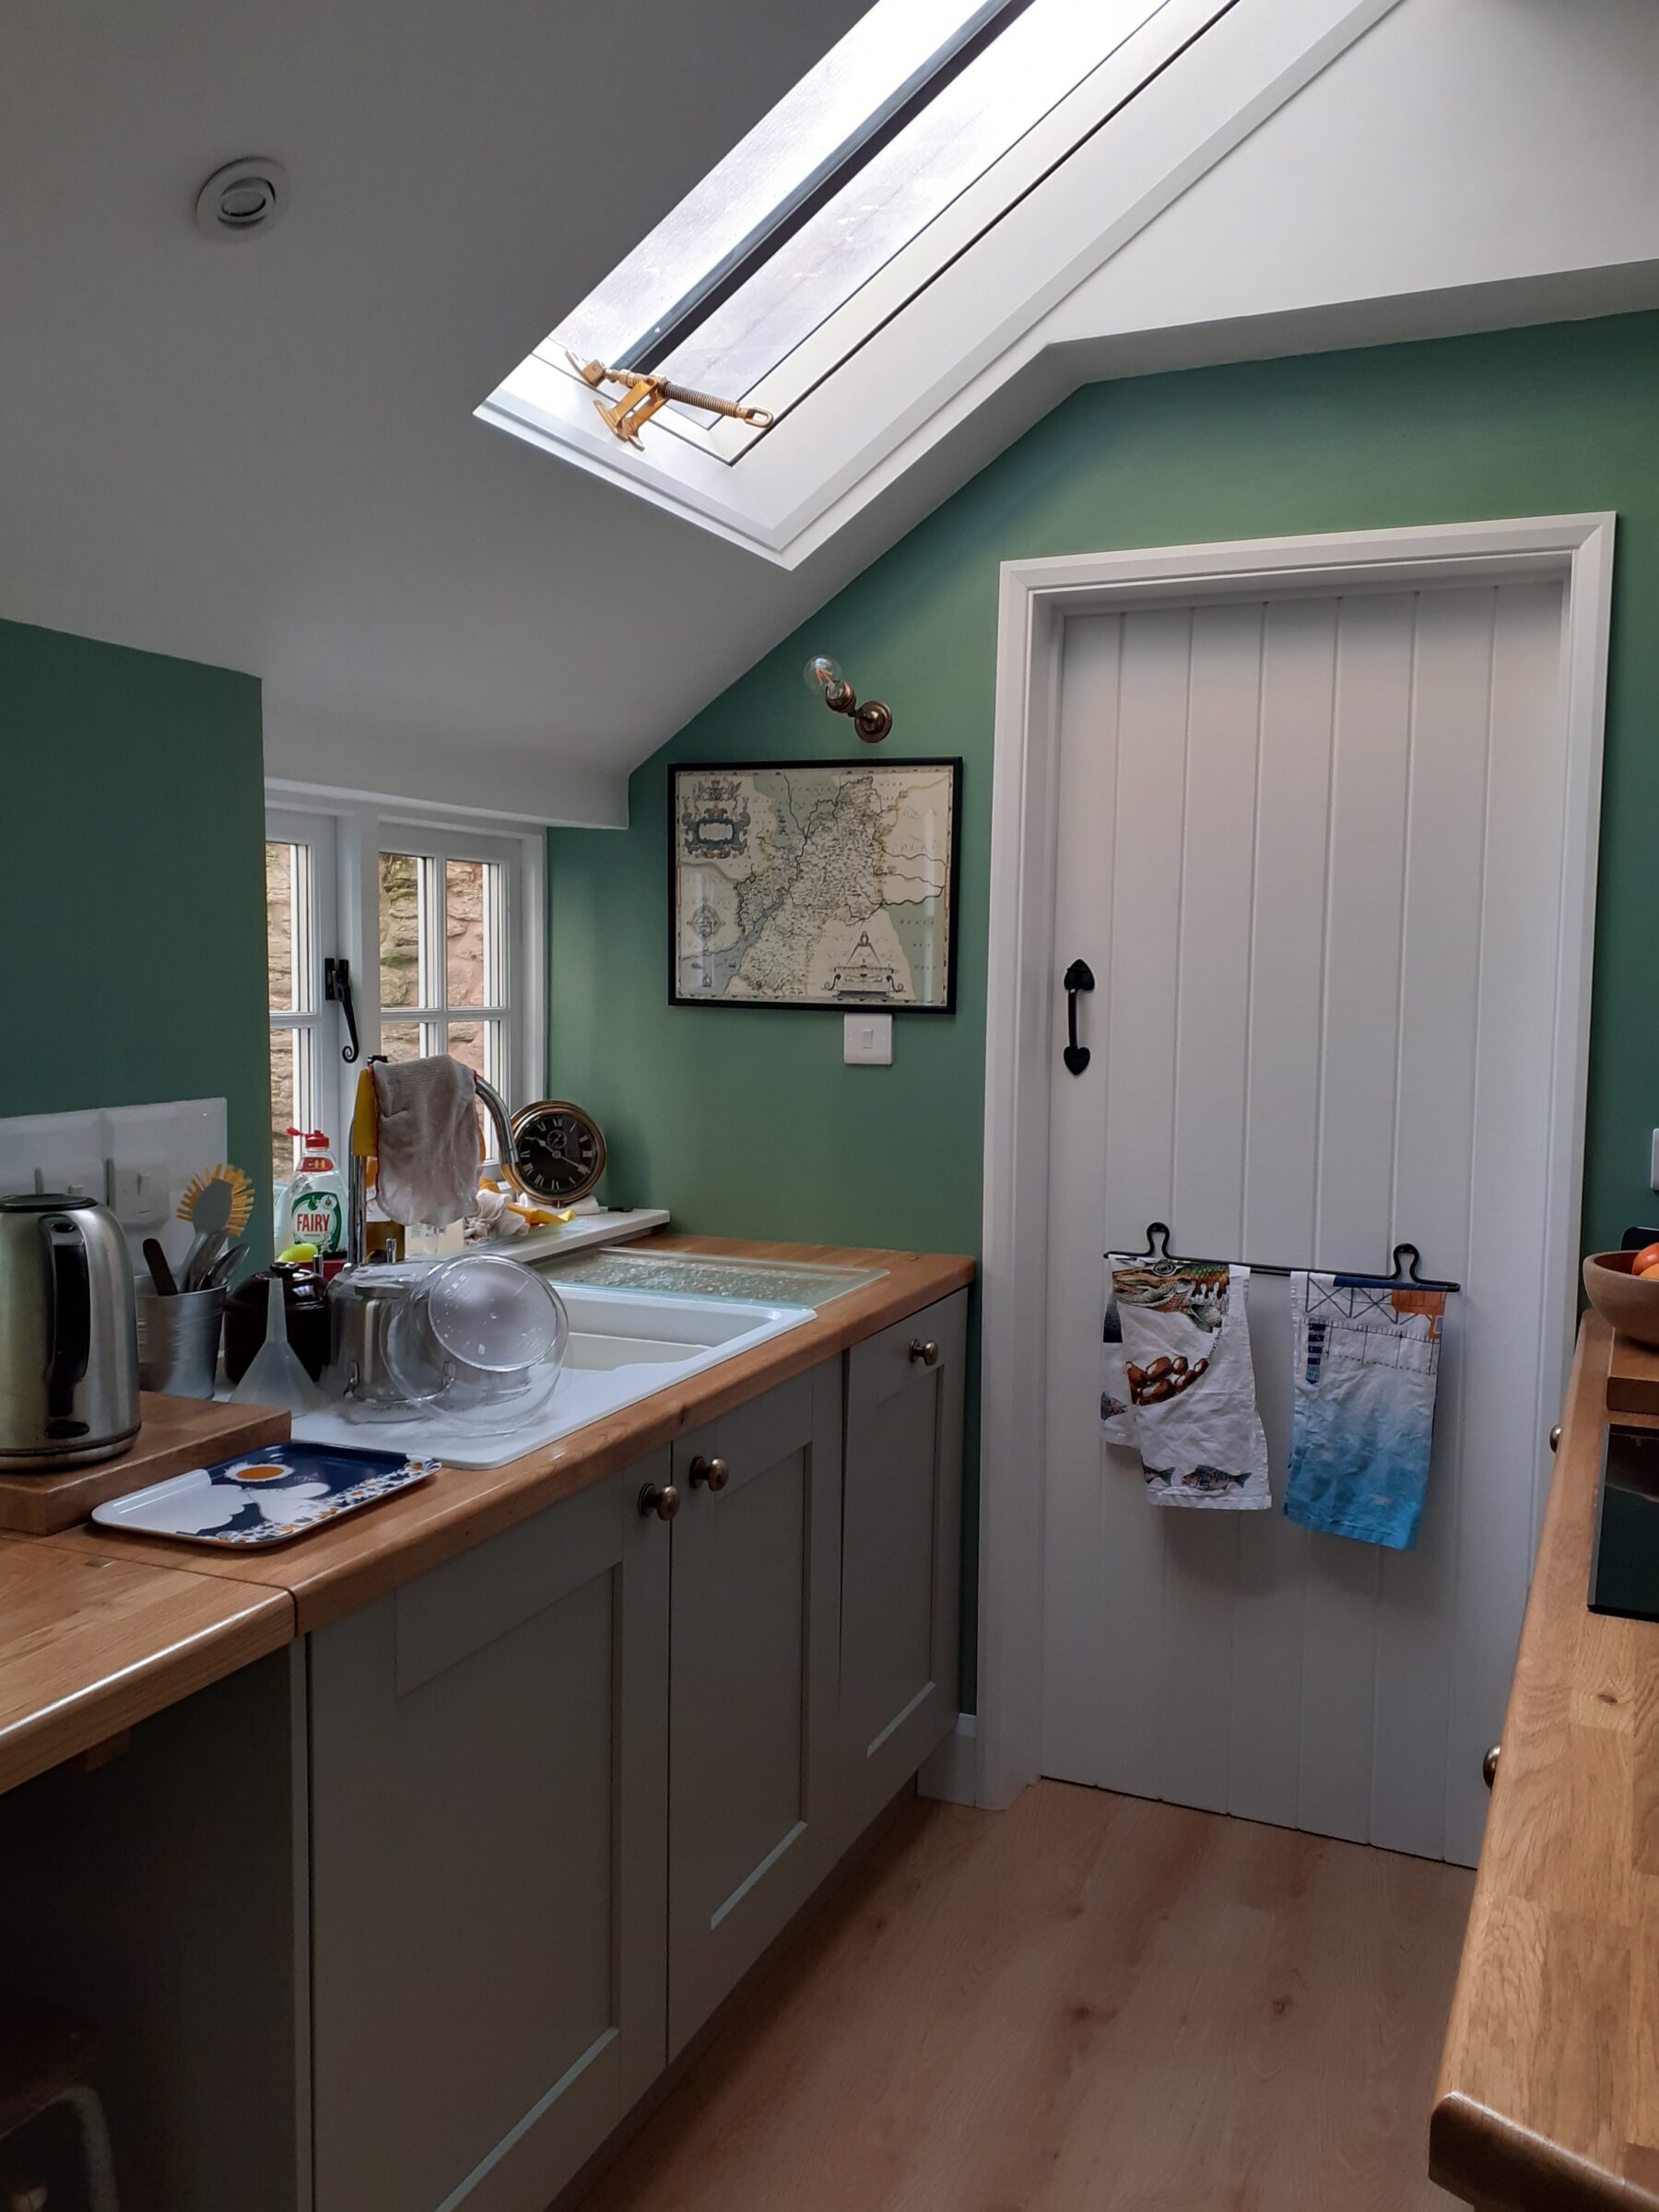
1647	1257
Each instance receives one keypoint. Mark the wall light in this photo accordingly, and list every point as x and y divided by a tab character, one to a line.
872	721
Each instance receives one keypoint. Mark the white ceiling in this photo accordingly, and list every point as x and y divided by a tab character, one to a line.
263	454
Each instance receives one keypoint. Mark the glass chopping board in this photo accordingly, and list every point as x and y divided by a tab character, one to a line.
705	1275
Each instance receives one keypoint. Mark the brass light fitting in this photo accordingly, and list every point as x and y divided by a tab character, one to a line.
872	721
646	396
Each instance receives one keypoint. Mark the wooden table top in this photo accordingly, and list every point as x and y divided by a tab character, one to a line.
1549	2092
98	1628
89	1646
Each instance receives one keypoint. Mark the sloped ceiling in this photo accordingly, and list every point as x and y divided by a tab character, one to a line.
261	452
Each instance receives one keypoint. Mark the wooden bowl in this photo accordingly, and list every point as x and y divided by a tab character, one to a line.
1622	1298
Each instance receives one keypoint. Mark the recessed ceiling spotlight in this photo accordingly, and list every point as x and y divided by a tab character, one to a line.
245	196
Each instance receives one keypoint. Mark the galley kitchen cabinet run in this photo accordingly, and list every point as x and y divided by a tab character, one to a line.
566	1789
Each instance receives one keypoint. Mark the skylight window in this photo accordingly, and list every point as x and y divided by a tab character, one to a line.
912	228
838	200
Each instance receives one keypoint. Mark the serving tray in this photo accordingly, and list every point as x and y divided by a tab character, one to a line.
266	1497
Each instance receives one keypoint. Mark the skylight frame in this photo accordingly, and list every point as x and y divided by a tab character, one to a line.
1141	56
1111	83
939	390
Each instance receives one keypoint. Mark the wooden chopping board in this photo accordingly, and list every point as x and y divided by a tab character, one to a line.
176	1434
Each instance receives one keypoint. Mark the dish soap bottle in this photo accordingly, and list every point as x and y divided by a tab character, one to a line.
315	1207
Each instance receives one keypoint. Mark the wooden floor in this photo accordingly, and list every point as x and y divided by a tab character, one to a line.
1087	2002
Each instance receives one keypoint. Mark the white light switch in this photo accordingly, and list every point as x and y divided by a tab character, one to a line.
1654	1163
867	1040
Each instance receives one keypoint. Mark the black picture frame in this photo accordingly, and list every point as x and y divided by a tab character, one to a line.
862	766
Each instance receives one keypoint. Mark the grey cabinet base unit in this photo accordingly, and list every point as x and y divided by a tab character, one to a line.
490	1846
901	1553
752	1819
567	1788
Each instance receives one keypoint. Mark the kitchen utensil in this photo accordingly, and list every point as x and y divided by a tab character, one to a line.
305	1304
160	1274
179	1341
1629	1302
219	1276
204	1252
276	1377
481	1328
68	1334
269	1496
362	1304
220	1200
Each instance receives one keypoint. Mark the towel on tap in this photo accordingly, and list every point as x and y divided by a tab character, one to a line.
428	1142
1367	1363
1179	1385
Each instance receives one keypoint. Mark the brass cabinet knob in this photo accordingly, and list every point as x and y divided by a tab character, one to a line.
714	1472
1488	1766
1555	1438
663	1502
926	1354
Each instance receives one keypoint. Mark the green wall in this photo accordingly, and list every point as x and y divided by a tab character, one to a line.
132	915
746	1121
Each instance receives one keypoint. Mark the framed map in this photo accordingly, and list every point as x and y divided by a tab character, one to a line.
814	883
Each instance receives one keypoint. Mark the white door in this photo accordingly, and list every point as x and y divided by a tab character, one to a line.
1312	849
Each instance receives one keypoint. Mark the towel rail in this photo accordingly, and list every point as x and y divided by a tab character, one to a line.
1158	1248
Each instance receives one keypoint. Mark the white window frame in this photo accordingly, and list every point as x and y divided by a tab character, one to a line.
313	1021
347	838
980	324
424	842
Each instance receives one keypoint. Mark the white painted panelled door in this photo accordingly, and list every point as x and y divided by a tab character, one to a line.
1311	848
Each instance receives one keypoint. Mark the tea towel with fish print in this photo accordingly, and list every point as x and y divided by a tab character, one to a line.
1179	1385
1367	1369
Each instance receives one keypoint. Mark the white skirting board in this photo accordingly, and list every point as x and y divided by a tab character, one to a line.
950	1775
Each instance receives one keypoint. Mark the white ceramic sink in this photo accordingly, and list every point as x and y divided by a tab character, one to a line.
623	1346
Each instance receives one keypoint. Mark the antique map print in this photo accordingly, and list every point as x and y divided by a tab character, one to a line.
814	884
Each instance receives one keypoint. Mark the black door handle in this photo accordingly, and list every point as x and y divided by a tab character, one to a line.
1080	976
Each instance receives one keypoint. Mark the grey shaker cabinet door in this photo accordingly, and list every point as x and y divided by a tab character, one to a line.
901	1553
488	1796
753	1825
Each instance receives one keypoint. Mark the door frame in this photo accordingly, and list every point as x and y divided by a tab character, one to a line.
1023	998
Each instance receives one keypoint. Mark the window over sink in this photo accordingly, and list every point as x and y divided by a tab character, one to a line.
441	928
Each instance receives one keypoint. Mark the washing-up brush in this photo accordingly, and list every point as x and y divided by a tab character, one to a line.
217	1206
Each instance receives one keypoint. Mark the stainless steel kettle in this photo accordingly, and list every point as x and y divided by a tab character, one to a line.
68	1334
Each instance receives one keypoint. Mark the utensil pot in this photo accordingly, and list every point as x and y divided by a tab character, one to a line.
179	1341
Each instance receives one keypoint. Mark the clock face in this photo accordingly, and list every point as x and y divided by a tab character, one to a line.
560	1151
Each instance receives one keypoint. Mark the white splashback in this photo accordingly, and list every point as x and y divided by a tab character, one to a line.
135	1159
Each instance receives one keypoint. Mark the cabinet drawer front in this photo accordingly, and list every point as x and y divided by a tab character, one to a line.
901	1552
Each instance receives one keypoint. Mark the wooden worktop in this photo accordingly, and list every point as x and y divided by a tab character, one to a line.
88	1646
1549	2092
98	1628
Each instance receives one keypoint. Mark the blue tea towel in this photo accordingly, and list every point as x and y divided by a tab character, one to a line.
1367	1360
